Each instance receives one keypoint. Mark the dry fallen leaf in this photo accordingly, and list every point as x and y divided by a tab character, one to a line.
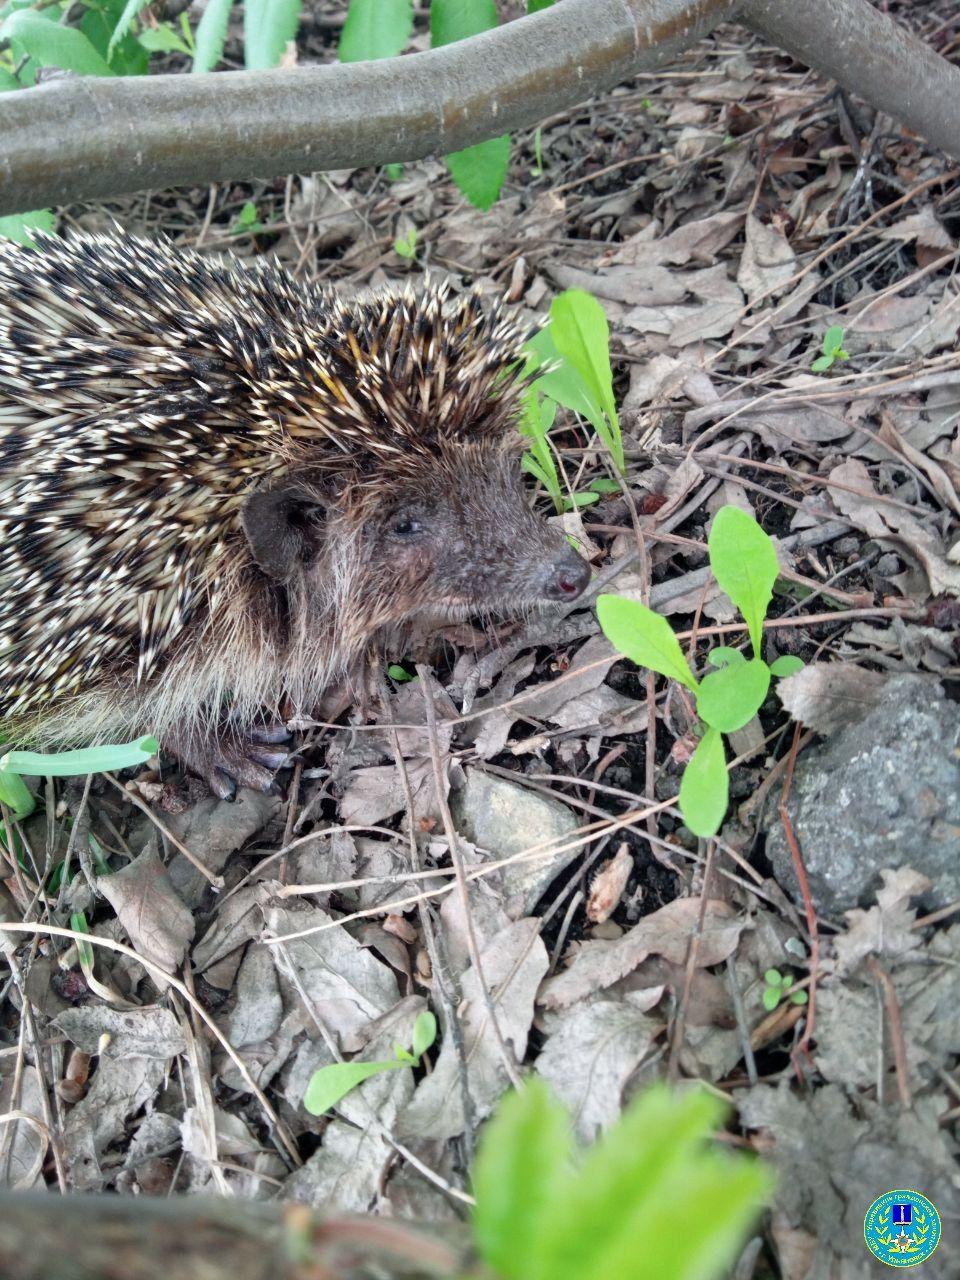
667	932
608	885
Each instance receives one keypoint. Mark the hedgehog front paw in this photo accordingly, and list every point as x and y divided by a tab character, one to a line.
231	761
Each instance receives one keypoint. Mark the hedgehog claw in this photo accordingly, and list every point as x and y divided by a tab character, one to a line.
227	764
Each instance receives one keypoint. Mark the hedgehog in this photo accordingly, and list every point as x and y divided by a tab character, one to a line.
221	486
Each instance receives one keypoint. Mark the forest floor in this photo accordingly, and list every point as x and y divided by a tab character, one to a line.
726	213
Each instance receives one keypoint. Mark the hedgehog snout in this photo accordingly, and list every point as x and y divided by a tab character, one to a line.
568	576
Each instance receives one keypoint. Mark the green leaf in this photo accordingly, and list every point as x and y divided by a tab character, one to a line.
398	673
124	23
600	1216
705	786
52	45
328	1085
730	698
18	226
66	764
8	81
163	39
787	665
799	997
644	637
773	978
78	923
15	794
520	1168
771	998
211	35
562	383
375	29
603	484
833	340
585	499
452	20
268	26
424	1032
534	6
581	334
822	364
393	171
744	564
723	656
479	171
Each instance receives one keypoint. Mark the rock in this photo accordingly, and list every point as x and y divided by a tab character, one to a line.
882	792
506	818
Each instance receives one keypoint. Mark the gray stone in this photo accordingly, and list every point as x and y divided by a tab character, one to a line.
507	818
882	792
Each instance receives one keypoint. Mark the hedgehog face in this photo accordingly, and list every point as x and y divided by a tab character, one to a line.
462	538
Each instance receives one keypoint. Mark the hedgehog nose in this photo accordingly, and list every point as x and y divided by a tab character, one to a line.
568	577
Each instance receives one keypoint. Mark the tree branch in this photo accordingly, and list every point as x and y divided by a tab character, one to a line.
81	139
84	138
90	1237
866	52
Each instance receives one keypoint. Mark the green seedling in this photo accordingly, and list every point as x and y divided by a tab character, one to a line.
406	246
832	347
14	765
247	222
621	1210
744	564
776	985
572	356
536	170
400	674
328	1085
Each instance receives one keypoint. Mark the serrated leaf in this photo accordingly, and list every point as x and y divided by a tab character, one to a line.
424	1032
644	637
375	29
744	564
125	22
786	665
521	1166
211	36
598	1219
51	45
729	698
328	1085
479	171
705	786
268	27
67	764
452	20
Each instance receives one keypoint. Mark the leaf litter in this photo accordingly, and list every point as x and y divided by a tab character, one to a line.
724	223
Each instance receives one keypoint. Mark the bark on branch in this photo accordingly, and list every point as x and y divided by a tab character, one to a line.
89	138
94	137
49	1237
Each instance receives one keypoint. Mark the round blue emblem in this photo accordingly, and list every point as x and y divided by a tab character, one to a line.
902	1228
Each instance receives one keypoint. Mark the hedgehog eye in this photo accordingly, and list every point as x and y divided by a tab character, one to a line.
406	527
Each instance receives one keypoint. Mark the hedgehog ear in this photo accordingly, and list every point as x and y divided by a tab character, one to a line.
275	522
